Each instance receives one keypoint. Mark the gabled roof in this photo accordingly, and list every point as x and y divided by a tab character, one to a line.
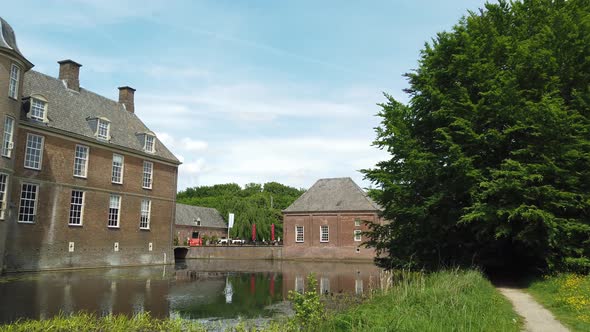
332	195
188	215
70	111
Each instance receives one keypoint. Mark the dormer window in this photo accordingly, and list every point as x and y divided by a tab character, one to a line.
149	143
38	110
103	129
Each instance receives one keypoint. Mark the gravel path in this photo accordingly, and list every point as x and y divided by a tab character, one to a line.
537	318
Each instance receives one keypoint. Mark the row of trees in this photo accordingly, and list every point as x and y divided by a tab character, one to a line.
490	160
254	204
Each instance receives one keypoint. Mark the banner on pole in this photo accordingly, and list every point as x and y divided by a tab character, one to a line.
231	220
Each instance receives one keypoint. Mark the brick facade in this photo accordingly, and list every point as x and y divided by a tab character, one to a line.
183	232
341	244
50	242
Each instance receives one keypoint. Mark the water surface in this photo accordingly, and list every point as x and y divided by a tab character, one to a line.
192	289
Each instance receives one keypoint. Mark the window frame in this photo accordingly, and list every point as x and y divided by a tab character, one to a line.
13	89
113	168
151	175
358	235
81	204
85	175
322	227
297	234
3	194
145	143
108	129
29	136
8	142
357	222
34	204
118	224
148	216
30	113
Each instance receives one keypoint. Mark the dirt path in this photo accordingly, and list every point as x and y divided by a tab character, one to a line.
537	318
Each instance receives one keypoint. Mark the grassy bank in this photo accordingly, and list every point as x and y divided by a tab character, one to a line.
567	296
88	322
441	301
453	300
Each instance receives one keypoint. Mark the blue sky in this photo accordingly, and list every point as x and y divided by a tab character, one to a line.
244	91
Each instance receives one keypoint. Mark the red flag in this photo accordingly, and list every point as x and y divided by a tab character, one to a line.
253	232
272	232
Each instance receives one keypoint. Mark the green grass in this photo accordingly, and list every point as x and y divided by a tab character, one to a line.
455	300
567	296
89	322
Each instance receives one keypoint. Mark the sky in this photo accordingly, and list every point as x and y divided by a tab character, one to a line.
244	91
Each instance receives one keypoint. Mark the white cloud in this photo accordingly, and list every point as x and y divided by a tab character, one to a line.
192	145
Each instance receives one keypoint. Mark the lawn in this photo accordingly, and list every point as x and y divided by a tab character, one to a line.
567	296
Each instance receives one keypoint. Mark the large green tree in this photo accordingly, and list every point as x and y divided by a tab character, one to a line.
490	160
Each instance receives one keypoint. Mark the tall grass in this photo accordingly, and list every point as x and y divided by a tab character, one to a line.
90	322
567	296
453	300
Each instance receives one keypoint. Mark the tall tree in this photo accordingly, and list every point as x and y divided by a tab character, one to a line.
490	160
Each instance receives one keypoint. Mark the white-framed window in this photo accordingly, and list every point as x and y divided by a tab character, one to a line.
324	233
118	167
28	203
38	109
8	143
3	186
81	161
114	210
357	222
357	235
299	284
103	129
299	234
146	209
14	79
34	151
76	208
150	143
148	173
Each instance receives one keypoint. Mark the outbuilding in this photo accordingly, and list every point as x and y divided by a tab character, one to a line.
327	222
194	222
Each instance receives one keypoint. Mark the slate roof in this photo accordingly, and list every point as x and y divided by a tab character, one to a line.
8	41
69	111
188	214
333	195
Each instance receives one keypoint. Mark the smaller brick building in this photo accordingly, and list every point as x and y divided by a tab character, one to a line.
327	222
196	222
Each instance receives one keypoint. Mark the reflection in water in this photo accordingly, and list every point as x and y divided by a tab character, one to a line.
195	289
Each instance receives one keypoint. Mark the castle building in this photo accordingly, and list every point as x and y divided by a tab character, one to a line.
83	182
327	222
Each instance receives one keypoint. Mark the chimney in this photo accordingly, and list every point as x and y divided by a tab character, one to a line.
126	98
69	72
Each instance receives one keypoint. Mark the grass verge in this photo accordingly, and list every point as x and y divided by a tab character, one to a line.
567	296
89	322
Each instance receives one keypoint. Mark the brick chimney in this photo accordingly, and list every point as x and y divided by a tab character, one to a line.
126	98
69	72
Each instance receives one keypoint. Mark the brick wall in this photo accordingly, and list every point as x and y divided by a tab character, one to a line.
184	231
8	107
341	244
45	244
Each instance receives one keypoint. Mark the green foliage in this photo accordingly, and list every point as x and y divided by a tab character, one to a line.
255	204
309	310
450	300
490	159
90	322
567	296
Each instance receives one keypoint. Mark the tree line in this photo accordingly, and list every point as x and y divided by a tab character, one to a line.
254	204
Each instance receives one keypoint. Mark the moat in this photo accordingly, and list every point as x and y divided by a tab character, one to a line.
205	290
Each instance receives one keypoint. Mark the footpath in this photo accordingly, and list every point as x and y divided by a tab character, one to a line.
537	318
